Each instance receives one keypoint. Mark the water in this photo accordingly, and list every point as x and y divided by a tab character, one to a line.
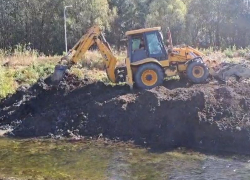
97	160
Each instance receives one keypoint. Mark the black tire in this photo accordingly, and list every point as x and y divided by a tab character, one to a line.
147	68
197	71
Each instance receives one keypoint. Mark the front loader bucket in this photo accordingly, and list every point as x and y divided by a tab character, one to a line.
58	74
212	65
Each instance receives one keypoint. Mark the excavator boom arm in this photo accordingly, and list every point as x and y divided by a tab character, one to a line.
93	36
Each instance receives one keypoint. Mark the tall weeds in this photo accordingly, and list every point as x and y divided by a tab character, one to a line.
7	82
20	55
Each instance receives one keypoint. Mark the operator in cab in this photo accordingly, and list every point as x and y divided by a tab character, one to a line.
142	45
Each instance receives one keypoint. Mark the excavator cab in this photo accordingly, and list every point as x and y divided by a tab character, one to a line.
146	45
147	56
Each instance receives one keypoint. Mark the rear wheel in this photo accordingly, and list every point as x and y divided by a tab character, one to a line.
197	71
149	76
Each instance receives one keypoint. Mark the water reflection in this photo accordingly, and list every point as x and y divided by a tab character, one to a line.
51	159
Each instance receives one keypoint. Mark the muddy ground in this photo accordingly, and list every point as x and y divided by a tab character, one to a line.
212	117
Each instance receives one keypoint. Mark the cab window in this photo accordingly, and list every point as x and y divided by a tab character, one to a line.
135	44
154	45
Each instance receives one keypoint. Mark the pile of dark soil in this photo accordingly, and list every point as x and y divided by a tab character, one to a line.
206	116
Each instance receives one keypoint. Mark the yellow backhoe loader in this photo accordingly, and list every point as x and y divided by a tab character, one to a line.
148	61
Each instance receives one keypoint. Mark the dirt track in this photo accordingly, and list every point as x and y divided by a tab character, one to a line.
209	117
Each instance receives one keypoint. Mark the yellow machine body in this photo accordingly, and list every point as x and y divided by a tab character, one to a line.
148	61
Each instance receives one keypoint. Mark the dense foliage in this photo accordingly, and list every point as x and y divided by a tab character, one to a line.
204	23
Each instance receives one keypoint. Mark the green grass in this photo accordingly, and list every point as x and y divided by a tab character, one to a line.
31	74
10	79
52	160
7	82
233	52
229	53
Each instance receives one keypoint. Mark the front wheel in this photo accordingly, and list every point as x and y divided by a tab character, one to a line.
149	76
197	71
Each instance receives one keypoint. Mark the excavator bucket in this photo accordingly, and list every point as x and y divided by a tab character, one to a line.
58	74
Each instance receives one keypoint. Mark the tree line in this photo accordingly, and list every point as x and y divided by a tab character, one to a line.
202	23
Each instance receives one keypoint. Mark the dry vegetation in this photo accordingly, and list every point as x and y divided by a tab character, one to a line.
229	54
22	67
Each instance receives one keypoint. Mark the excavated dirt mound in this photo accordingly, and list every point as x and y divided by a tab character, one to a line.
211	117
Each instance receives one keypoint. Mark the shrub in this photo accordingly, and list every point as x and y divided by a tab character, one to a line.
32	73
207	51
242	52
7	83
229	52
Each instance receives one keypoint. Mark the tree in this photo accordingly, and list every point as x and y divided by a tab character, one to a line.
85	14
220	23
131	14
168	13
